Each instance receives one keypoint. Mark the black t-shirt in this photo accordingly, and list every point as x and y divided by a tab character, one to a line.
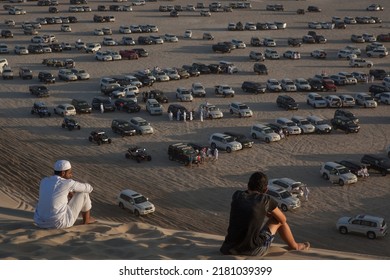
247	215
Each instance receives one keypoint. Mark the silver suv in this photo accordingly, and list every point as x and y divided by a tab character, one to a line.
371	226
240	109
224	142
141	126
337	173
316	100
284	198
291	127
321	125
303	124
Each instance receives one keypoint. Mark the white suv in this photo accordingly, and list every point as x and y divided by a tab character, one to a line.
184	95
240	109
153	107
337	173
141	126
365	100
291	127
303	124
264	133
370	226
316	100
285	200
321	125
224	142
359	62
271	54
135	202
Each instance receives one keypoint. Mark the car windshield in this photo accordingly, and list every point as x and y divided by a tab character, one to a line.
305	122
212	108
243	107
322	122
155	105
268	130
290	124
318	98
140	200
368	98
343	170
285	194
198	87
143	123
229	139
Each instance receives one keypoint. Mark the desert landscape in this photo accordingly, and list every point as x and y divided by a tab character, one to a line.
192	203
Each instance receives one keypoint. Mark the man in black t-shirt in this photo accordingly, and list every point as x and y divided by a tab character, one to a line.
249	209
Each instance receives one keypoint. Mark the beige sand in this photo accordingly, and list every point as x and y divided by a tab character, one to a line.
192	204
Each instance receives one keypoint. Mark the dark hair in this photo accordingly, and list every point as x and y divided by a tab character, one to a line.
258	182
58	173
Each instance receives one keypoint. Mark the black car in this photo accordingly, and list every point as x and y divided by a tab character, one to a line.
144	79
70	124
107	105
40	109
313	9
202	68
353	166
295	42
345	124
377	163
375	89
277	128
255	42
35	49
260	68
215	68
176	108
141	52
72	19
144	40
347	114
316	85
123	128
55	47
46	77
39	91
138	153
99	137
127	105
286	102
81	106
221	47
379	74
254	87
155	94
194	72
6	34
245	141
97	18
182	153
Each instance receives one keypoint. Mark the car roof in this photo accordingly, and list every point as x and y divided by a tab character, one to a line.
130	193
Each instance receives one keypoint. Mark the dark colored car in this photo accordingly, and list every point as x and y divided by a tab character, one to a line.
100	137
25	73
316	85
277	128
6	34
46	77
346	114
345	124
353	166
377	163
313	9
137	153
70	124
144	79
123	128
107	105
379	74
97	18
183	153
40	109
383	37
127	105
295	42
221	47
81	106
193	71
144	40
39	91
245	141
260	68
55	47
202	68
175	108
286	102
329	85
375	89
155	94
254	87
35	49
255	42
183	73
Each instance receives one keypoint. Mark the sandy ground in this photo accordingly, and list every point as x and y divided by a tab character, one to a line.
187	200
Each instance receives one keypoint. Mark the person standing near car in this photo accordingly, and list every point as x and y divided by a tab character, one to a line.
101	108
254	220
61	199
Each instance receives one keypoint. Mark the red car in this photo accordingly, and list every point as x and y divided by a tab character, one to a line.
383	37
329	85
128	54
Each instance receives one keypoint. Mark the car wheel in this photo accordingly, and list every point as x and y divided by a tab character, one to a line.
343	230
371	235
383	172
138	160
136	212
63	126
127	156
170	157
98	142
149	158
325	176
267	140
284	207
231	111
254	136
228	150
341	182
121	206
109	141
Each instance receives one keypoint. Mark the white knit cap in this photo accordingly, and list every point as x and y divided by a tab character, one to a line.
62	165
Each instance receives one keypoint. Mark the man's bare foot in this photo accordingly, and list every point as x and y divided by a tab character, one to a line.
90	221
303	246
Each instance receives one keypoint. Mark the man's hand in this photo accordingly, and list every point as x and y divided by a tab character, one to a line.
70	195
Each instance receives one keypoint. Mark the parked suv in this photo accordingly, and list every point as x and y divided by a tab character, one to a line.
46	77
285	200
303	124
224	142
153	107
260	68
377	163
291	127
107	105
321	125
347	114
182	153
25	73
254	87
363	99
178	109
263	132
286	102
240	109
316	100
337	173
345	124
81	106
135	202
371	226
141	126
122	127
